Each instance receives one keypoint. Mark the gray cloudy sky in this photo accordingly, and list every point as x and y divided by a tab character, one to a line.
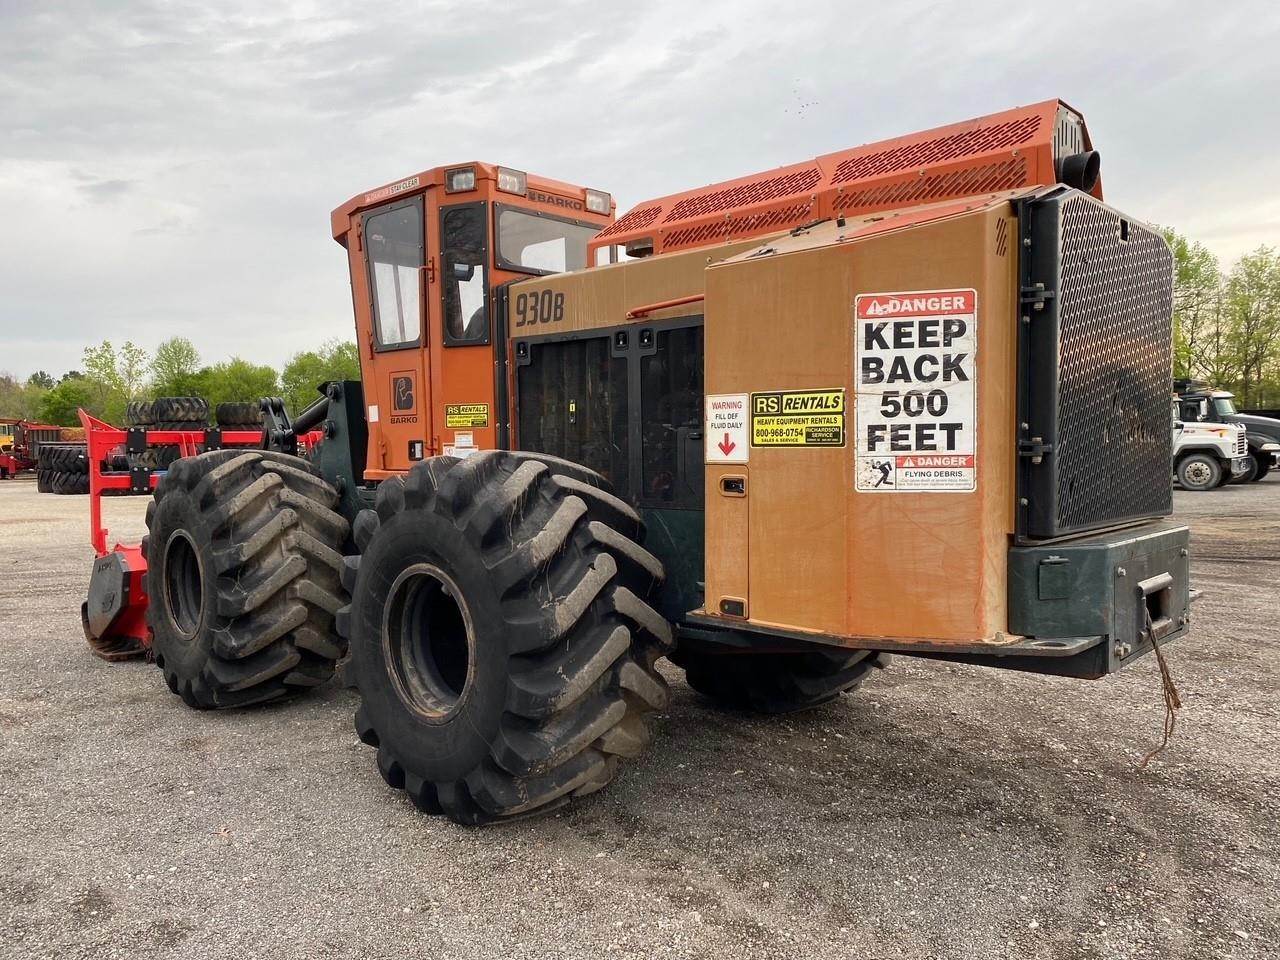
169	168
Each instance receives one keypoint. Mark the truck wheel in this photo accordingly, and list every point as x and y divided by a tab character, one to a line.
1199	472
1251	471
776	682
243	574
501	636
1264	467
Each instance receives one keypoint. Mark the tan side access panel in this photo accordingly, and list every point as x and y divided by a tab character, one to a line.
915	547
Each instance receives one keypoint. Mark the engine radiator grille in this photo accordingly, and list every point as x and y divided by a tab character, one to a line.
1095	366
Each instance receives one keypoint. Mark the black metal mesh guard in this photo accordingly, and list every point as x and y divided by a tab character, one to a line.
1110	424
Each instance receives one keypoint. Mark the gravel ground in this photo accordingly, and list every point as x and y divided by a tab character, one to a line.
942	811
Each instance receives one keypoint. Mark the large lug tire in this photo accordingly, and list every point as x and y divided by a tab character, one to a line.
156	458
1199	472
184	409
70	484
244	559
776	682
64	458
244	415
186	425
1264	467
140	413
501	635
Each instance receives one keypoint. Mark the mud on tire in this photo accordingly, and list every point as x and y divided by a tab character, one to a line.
501	636
776	682
244	559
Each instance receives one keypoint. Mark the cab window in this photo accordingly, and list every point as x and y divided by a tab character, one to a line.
532	242
463	285
394	240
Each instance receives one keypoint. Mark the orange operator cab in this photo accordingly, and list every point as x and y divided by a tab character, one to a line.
428	256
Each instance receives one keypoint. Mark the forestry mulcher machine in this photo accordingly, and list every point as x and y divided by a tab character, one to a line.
909	398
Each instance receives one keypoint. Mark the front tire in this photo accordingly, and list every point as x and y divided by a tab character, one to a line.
244	558
1199	472
1250	472
501	636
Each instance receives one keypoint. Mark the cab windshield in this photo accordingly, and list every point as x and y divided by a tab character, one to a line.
1224	407
533	242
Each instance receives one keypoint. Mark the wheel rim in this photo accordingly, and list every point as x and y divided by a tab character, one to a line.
183	584
1197	473
428	641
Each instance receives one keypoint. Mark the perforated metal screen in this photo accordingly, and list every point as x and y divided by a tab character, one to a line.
1096	360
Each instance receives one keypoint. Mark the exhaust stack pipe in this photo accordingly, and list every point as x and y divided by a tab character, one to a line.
1080	170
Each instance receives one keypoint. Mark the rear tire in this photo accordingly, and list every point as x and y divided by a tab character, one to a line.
1199	472
776	682
243	575
501	636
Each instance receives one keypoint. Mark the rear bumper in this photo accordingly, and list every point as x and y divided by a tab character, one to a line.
1104	586
1077	607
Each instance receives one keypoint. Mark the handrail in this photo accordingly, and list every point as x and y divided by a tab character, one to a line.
649	308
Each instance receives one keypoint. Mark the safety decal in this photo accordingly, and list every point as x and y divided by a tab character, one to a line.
798	418
915	413
466	415
726	428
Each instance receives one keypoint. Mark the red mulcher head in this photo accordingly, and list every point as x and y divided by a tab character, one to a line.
115	614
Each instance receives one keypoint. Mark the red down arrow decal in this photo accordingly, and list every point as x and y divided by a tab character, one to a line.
726	445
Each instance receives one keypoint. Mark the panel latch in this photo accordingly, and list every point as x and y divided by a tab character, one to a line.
1036	295
1035	448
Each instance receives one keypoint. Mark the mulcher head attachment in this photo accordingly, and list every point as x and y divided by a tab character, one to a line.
114	615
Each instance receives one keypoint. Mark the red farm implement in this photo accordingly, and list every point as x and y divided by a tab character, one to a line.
114	614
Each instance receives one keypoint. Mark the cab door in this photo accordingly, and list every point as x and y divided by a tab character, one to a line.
463	369
396	382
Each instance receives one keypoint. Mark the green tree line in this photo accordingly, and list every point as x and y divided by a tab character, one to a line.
110	377
1227	323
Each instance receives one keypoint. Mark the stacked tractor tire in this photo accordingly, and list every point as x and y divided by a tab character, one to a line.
238	416
165	413
62	468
